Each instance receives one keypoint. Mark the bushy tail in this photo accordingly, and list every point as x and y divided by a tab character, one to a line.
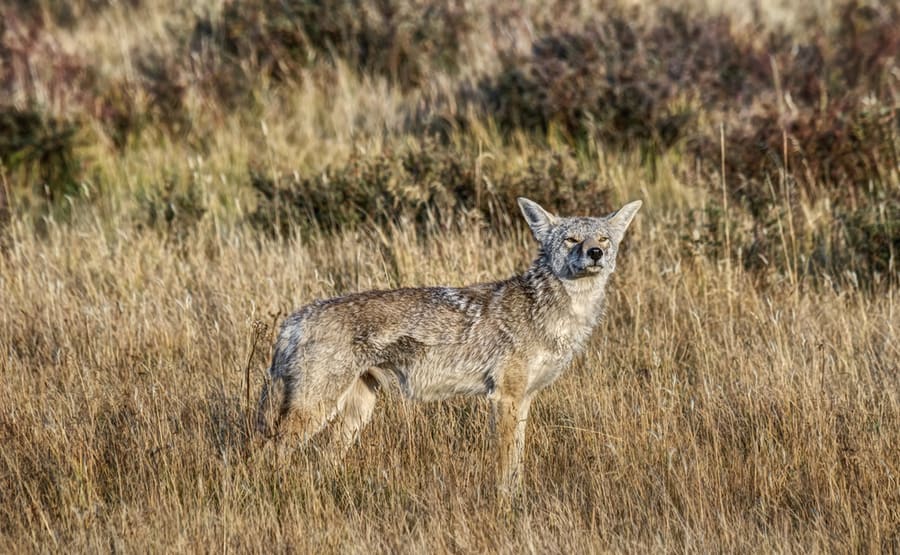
271	401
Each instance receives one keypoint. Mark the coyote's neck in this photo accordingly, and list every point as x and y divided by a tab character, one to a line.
570	308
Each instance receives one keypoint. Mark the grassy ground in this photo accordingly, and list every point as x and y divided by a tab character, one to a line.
742	394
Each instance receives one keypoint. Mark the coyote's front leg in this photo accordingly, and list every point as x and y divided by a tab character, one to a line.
511	416
509	419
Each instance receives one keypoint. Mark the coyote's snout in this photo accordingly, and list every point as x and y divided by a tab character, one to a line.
506	340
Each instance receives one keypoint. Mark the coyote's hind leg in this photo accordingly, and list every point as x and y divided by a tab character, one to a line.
307	408
354	412
323	394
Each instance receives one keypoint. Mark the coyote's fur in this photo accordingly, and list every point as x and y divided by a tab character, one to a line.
506	340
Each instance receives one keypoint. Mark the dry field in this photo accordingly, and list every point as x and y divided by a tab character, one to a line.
742	394
706	413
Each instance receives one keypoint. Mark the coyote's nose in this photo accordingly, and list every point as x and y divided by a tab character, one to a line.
595	253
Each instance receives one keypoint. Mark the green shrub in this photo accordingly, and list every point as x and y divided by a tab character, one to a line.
39	152
174	208
427	183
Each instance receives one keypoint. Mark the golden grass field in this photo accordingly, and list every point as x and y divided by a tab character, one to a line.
722	405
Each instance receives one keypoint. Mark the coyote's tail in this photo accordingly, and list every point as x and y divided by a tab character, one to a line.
271	400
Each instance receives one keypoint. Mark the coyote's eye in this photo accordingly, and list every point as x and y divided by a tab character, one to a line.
603	239
571	241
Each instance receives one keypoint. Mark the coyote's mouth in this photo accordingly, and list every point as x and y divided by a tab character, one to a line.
588	270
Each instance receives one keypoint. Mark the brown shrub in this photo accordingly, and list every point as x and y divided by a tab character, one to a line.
619	77
403	40
65	13
829	115
637	79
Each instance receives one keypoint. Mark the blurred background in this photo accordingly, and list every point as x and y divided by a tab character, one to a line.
282	115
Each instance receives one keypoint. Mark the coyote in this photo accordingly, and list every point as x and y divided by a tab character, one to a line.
505	340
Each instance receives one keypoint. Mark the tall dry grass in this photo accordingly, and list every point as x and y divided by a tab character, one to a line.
742	393
707	413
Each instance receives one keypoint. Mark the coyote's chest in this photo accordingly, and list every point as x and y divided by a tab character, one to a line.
567	332
547	364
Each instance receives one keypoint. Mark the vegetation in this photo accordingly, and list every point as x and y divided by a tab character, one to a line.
174	181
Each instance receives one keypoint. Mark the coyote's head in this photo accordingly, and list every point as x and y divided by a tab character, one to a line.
578	248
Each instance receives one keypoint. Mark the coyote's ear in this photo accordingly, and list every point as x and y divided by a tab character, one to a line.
622	218
539	220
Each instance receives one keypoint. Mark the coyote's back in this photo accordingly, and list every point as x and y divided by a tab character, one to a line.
505	340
